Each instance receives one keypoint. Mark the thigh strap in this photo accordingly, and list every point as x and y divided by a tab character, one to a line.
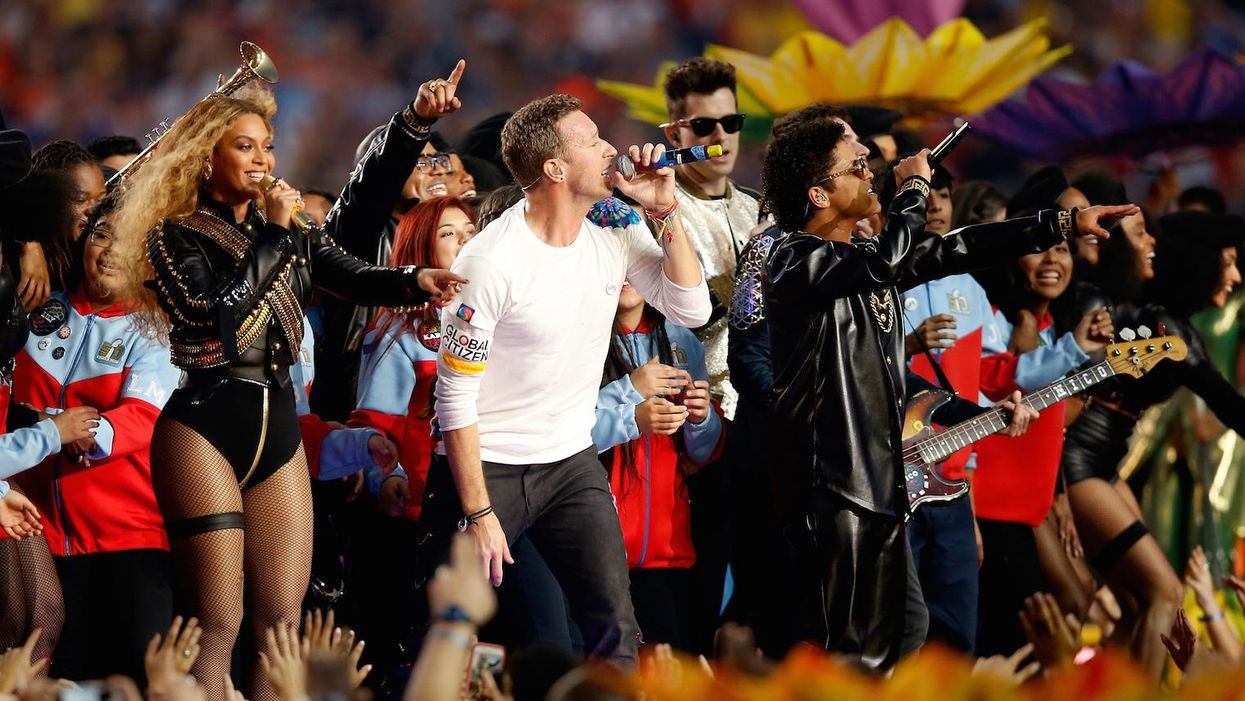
1113	551
187	527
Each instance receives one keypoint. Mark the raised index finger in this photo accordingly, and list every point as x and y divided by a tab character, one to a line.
457	74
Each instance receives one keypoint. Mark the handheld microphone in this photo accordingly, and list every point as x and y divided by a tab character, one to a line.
948	144
300	219
673	157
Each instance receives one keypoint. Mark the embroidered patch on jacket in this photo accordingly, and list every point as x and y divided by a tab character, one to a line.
613	213
111	353
465	313
883	310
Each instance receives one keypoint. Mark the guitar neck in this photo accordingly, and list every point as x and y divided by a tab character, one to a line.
941	445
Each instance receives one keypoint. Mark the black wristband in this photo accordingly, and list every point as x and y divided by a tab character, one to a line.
465	522
416	126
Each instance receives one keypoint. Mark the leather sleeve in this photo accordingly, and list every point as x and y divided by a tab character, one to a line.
903	255
342	275
359	217
193	294
1198	373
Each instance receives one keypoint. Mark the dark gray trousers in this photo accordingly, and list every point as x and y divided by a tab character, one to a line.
567	511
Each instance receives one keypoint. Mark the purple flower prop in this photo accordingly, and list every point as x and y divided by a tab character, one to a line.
849	20
1129	111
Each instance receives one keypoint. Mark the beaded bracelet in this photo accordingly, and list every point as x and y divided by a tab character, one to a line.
664	220
1212	617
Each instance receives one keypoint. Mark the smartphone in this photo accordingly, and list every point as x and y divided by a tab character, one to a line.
484	656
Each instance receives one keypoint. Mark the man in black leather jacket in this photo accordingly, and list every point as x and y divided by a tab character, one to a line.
839	373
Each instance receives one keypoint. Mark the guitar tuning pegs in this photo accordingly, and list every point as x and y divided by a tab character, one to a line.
1127	334
1143	331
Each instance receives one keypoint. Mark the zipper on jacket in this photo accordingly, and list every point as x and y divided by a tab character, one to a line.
648	461
56	482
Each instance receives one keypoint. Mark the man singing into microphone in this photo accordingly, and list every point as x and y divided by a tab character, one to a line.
523	346
837	338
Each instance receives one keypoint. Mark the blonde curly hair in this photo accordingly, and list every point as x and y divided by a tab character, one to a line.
166	189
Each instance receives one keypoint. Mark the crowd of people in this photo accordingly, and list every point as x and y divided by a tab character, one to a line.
618	410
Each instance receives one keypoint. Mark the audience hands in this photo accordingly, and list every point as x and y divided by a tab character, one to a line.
36	282
1008	668
77	423
18	516
384	453
1094	331
441	285
932	332
696	399
16	668
1055	639
169	660
1198	578
1088	220
660	417
463	583
394	492
283	663
655	378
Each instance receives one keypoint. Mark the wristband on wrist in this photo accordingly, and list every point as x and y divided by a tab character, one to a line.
1212	617
915	182
466	521
416	125
1066	221
455	636
663	219
452	614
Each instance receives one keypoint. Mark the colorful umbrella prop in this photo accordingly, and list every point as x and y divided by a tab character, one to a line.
955	71
848	20
1129	111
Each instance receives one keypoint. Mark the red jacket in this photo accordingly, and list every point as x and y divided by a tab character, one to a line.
74	358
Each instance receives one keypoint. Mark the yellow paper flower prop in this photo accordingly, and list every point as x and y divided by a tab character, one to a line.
955	71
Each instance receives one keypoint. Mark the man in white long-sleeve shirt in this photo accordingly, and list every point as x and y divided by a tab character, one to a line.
523	347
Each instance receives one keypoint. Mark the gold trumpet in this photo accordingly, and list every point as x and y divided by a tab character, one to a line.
255	65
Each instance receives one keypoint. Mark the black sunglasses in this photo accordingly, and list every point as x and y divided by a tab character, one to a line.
704	126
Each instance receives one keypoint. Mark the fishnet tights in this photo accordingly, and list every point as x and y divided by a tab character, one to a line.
193	479
30	595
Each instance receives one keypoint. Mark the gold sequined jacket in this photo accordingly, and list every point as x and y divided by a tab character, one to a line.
235	293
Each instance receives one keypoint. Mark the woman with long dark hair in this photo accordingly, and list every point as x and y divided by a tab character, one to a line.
226	278
655	426
1194	267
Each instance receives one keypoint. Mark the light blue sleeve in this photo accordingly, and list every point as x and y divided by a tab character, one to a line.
616	403
26	447
104	434
699	439
374	478
1048	362
345	452
387	375
4	489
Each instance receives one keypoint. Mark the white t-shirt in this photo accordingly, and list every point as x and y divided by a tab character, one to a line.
524	344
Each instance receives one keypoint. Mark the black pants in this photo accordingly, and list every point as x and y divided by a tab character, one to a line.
860	597
565	508
663	605
1010	573
114	603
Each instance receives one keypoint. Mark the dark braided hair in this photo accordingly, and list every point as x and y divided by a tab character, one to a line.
619	362
61	154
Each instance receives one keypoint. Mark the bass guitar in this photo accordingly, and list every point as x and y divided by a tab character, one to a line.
924	449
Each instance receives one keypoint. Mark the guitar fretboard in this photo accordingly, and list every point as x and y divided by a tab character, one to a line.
940	446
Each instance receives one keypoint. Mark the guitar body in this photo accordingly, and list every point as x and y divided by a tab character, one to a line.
923	481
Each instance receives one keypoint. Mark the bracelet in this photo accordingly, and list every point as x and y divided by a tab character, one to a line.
452	614
455	636
663	219
1212	617
466	521
1066	221
416	125
915	182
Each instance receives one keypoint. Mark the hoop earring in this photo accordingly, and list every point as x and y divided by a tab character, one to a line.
207	171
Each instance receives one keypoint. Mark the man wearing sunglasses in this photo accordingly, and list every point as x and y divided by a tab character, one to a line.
840	380
720	217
